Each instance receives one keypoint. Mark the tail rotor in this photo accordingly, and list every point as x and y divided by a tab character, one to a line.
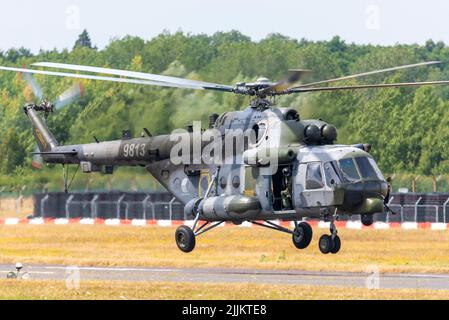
68	97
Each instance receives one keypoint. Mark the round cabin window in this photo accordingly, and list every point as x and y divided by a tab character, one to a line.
223	182
236	182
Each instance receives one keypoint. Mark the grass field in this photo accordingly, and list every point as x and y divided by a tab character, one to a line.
118	290
393	250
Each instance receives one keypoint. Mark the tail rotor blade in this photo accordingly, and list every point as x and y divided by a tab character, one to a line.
35	87
69	96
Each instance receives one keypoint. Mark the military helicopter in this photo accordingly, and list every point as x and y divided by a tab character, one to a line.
283	168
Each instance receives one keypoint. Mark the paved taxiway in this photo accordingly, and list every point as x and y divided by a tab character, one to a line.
284	277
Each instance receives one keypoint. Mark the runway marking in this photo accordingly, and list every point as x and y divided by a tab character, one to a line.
247	272
109	269
30	272
211	275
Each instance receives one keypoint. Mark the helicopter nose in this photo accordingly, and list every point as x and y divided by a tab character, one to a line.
353	194
356	194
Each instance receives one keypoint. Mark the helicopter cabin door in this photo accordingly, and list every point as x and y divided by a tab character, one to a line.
282	189
313	189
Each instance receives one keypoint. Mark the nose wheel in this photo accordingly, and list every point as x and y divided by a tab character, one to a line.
330	243
367	219
326	244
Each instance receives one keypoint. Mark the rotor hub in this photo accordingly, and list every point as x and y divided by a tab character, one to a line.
46	106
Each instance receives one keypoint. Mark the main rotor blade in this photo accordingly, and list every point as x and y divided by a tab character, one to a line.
35	87
369	73
69	96
137	75
112	79
367	86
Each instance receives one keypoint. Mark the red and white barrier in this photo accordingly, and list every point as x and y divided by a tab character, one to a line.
354	225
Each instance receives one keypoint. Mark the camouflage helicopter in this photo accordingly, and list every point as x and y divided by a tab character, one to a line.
283	168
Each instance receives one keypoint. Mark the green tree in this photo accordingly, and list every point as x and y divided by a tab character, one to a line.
83	40
408	127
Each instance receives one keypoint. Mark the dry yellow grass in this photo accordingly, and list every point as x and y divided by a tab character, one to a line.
391	250
117	290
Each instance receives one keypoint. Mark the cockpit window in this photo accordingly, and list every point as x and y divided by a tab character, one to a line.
331	174
366	169
376	168
314	178
349	170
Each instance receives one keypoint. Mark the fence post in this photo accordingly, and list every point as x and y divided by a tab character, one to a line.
170	208
93	206
20	200
153	211
44	200
444	209
126	210
119	202
67	214
416	209
145	205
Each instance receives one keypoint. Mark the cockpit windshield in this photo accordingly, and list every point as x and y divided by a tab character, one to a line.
349	170
376	169
366	169
355	169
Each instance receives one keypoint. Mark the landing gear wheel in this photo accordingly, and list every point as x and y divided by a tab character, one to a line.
185	239
302	235
326	244
367	219
337	245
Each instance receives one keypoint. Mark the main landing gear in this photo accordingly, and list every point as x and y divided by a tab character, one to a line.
186	237
301	235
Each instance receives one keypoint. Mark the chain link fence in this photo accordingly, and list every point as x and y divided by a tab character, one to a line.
109	205
409	207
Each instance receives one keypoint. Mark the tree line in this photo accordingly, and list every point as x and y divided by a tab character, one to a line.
407	127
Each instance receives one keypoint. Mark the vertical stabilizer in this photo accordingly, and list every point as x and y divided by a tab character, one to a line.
45	140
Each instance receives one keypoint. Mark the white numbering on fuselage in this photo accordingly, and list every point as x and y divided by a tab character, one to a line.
133	150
